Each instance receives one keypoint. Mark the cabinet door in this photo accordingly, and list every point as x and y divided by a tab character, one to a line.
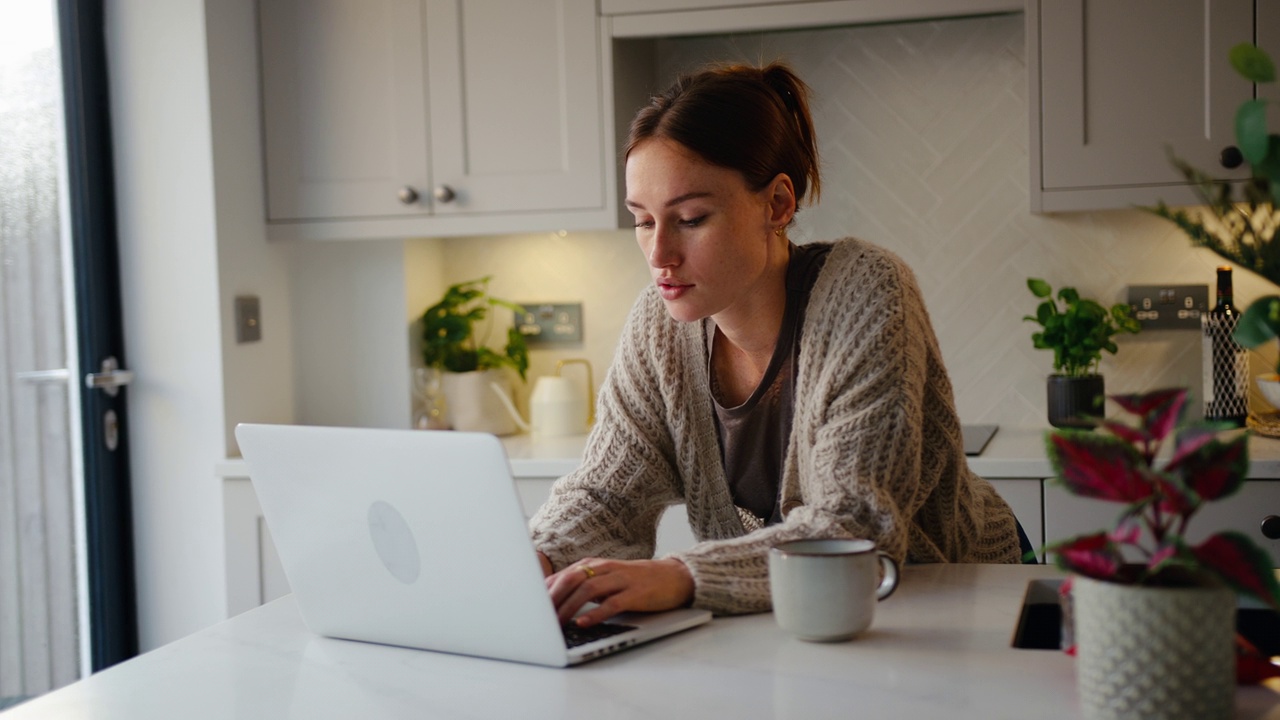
1024	498
516	120
1066	515
1121	81
344	107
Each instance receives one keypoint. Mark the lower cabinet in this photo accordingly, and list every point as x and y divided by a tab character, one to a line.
1026	498
1067	515
254	574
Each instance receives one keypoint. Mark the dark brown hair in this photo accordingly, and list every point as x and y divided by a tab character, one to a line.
750	119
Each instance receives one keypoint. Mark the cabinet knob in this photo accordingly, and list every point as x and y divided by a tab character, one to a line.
1231	157
407	195
1271	527
445	194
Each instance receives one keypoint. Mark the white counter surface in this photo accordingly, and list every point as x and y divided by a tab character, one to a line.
1014	452
939	647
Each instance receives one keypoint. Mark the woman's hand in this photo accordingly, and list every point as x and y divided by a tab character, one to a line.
618	586
546	565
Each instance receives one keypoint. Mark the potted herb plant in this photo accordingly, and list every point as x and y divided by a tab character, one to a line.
1078	333
1153	613
1239	221
467	367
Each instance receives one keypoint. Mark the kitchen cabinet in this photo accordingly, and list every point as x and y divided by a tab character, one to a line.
671	18
1025	498
1067	515
394	118
1114	86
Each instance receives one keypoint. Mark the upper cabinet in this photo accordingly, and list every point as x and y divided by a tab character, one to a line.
1115	86
398	118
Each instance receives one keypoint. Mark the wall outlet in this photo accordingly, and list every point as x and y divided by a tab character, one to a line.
1169	307
248	319
545	324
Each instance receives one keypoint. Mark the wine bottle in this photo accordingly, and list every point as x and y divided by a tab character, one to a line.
1226	365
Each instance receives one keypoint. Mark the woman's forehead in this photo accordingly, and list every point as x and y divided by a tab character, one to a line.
662	171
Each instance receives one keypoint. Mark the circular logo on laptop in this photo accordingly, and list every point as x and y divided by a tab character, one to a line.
394	543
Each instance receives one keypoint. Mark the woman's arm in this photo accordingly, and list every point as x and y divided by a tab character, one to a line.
610	506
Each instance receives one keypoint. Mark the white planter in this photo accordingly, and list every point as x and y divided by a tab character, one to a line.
1144	653
472	405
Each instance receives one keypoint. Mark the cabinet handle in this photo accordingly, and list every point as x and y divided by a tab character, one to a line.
1231	157
1271	527
445	194
407	195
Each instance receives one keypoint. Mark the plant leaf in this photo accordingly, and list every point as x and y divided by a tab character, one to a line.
1142	404
1176	497
1251	130
1215	469
1092	555
1100	466
1242	564
1252	63
1158	411
1124	432
1039	288
1259	323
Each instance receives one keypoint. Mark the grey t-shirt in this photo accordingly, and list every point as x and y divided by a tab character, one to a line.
753	435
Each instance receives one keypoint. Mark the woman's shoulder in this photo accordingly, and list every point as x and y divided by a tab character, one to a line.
855	268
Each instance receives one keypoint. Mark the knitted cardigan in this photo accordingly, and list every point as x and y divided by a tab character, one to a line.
875	448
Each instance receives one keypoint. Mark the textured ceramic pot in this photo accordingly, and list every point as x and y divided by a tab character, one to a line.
1072	400
1145	653
472	405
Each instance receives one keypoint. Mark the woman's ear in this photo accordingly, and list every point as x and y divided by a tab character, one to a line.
780	196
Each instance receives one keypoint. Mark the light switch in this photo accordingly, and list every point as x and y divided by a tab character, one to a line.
248	319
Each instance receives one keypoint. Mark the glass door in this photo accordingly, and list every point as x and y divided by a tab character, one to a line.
66	578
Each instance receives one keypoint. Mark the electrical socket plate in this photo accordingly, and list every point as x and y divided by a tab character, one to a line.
545	324
1169	307
248	319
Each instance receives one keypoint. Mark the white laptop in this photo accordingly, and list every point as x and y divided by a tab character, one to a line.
417	538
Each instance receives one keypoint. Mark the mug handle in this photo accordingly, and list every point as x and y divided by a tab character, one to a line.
889	582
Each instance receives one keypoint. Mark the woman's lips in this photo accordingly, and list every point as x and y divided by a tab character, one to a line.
672	290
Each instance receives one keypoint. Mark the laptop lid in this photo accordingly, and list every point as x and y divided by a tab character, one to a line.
409	537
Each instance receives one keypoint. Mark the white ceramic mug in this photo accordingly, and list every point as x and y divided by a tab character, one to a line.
827	590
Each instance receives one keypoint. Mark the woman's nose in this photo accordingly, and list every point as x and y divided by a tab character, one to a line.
662	253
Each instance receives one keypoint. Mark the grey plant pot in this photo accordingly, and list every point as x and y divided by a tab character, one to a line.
1148	653
1073	400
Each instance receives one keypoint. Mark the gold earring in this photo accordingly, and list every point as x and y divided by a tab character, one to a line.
778	231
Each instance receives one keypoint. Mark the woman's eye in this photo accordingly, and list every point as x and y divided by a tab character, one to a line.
693	222
644	224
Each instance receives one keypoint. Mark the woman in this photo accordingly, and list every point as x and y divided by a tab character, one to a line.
779	391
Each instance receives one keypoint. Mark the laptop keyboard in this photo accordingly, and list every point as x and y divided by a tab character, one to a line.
575	636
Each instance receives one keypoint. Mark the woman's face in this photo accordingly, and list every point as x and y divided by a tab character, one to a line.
706	235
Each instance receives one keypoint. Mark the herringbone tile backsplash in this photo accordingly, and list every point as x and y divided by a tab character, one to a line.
923	134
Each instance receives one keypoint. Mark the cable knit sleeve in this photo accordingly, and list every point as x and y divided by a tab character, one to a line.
610	506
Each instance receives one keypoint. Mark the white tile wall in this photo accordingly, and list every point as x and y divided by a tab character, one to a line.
923	134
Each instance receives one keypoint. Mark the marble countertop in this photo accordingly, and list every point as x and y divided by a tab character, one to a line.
1014	452
939	647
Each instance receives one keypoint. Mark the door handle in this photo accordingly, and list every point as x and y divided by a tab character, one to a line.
111	379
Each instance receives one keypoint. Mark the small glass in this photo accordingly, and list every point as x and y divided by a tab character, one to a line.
429	403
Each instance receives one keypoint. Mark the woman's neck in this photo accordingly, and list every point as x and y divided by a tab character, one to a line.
748	333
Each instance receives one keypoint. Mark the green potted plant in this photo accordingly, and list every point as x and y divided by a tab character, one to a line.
1153	613
1077	333
1239	220
468	370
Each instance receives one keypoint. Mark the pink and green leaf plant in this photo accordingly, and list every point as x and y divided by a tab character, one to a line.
1117	462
